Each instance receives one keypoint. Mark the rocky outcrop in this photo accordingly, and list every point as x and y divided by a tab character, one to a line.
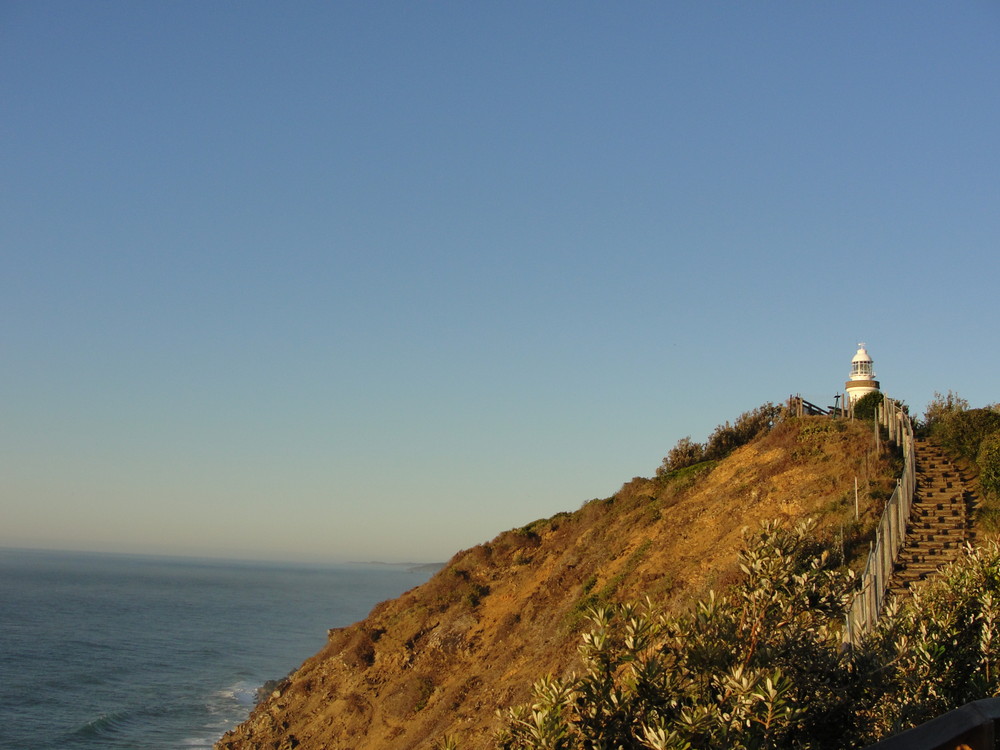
440	659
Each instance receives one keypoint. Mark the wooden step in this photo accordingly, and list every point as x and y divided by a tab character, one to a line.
939	523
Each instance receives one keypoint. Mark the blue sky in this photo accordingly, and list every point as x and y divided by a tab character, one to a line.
380	280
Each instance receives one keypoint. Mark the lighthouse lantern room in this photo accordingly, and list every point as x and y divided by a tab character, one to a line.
862	380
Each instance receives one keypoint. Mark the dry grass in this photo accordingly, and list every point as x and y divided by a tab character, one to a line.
504	613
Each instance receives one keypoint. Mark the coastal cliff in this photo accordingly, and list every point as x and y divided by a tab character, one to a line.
441	658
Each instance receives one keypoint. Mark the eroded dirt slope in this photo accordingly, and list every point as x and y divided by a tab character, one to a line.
442	657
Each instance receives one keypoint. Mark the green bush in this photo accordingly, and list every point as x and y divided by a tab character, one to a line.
963	432
988	460
723	440
941	406
685	453
761	667
866	407
941	649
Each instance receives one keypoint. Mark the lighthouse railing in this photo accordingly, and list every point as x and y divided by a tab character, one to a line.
891	532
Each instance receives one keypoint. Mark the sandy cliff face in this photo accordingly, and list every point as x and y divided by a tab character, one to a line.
441	658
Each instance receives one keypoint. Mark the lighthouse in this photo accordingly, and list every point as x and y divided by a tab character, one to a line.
862	380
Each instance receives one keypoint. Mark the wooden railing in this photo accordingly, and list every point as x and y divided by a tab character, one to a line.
799	407
971	727
974	726
891	533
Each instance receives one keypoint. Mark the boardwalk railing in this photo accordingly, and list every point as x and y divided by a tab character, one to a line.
891	533
972	727
799	407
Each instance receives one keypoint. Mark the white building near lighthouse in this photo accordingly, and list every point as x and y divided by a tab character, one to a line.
862	380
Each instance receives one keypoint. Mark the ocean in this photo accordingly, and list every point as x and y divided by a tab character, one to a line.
148	653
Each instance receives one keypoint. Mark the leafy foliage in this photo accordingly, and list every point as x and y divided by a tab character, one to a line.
962	432
942	649
941	406
724	439
988	460
757	668
764	666
866	407
973	434
685	453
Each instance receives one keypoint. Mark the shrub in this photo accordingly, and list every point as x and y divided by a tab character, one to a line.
988	460
759	668
685	453
866	407
723	440
764	666
963	432
941	649
475	594
941	406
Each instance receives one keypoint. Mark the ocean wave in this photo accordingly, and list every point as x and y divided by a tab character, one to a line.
200	742
105	725
242	694
229	707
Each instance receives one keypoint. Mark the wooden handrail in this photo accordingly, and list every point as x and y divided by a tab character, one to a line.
890	535
971	727
799	407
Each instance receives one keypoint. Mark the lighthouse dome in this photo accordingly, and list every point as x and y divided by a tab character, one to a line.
862	379
861	365
862	355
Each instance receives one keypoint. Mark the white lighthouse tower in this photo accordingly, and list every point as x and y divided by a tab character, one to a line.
862	380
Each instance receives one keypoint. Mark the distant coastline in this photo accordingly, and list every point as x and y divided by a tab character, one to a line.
13	549
412	567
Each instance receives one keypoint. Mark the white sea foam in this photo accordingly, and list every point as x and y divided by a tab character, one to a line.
206	742
241	694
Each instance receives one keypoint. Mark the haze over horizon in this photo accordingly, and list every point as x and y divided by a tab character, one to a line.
363	281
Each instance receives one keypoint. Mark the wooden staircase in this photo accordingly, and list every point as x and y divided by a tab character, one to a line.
940	519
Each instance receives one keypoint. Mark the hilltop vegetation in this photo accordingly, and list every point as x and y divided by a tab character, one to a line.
724	439
764	665
438	660
973	436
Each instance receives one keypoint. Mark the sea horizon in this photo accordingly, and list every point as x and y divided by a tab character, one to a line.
155	652
207	558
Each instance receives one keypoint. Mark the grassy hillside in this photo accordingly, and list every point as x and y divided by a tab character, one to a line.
441	658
